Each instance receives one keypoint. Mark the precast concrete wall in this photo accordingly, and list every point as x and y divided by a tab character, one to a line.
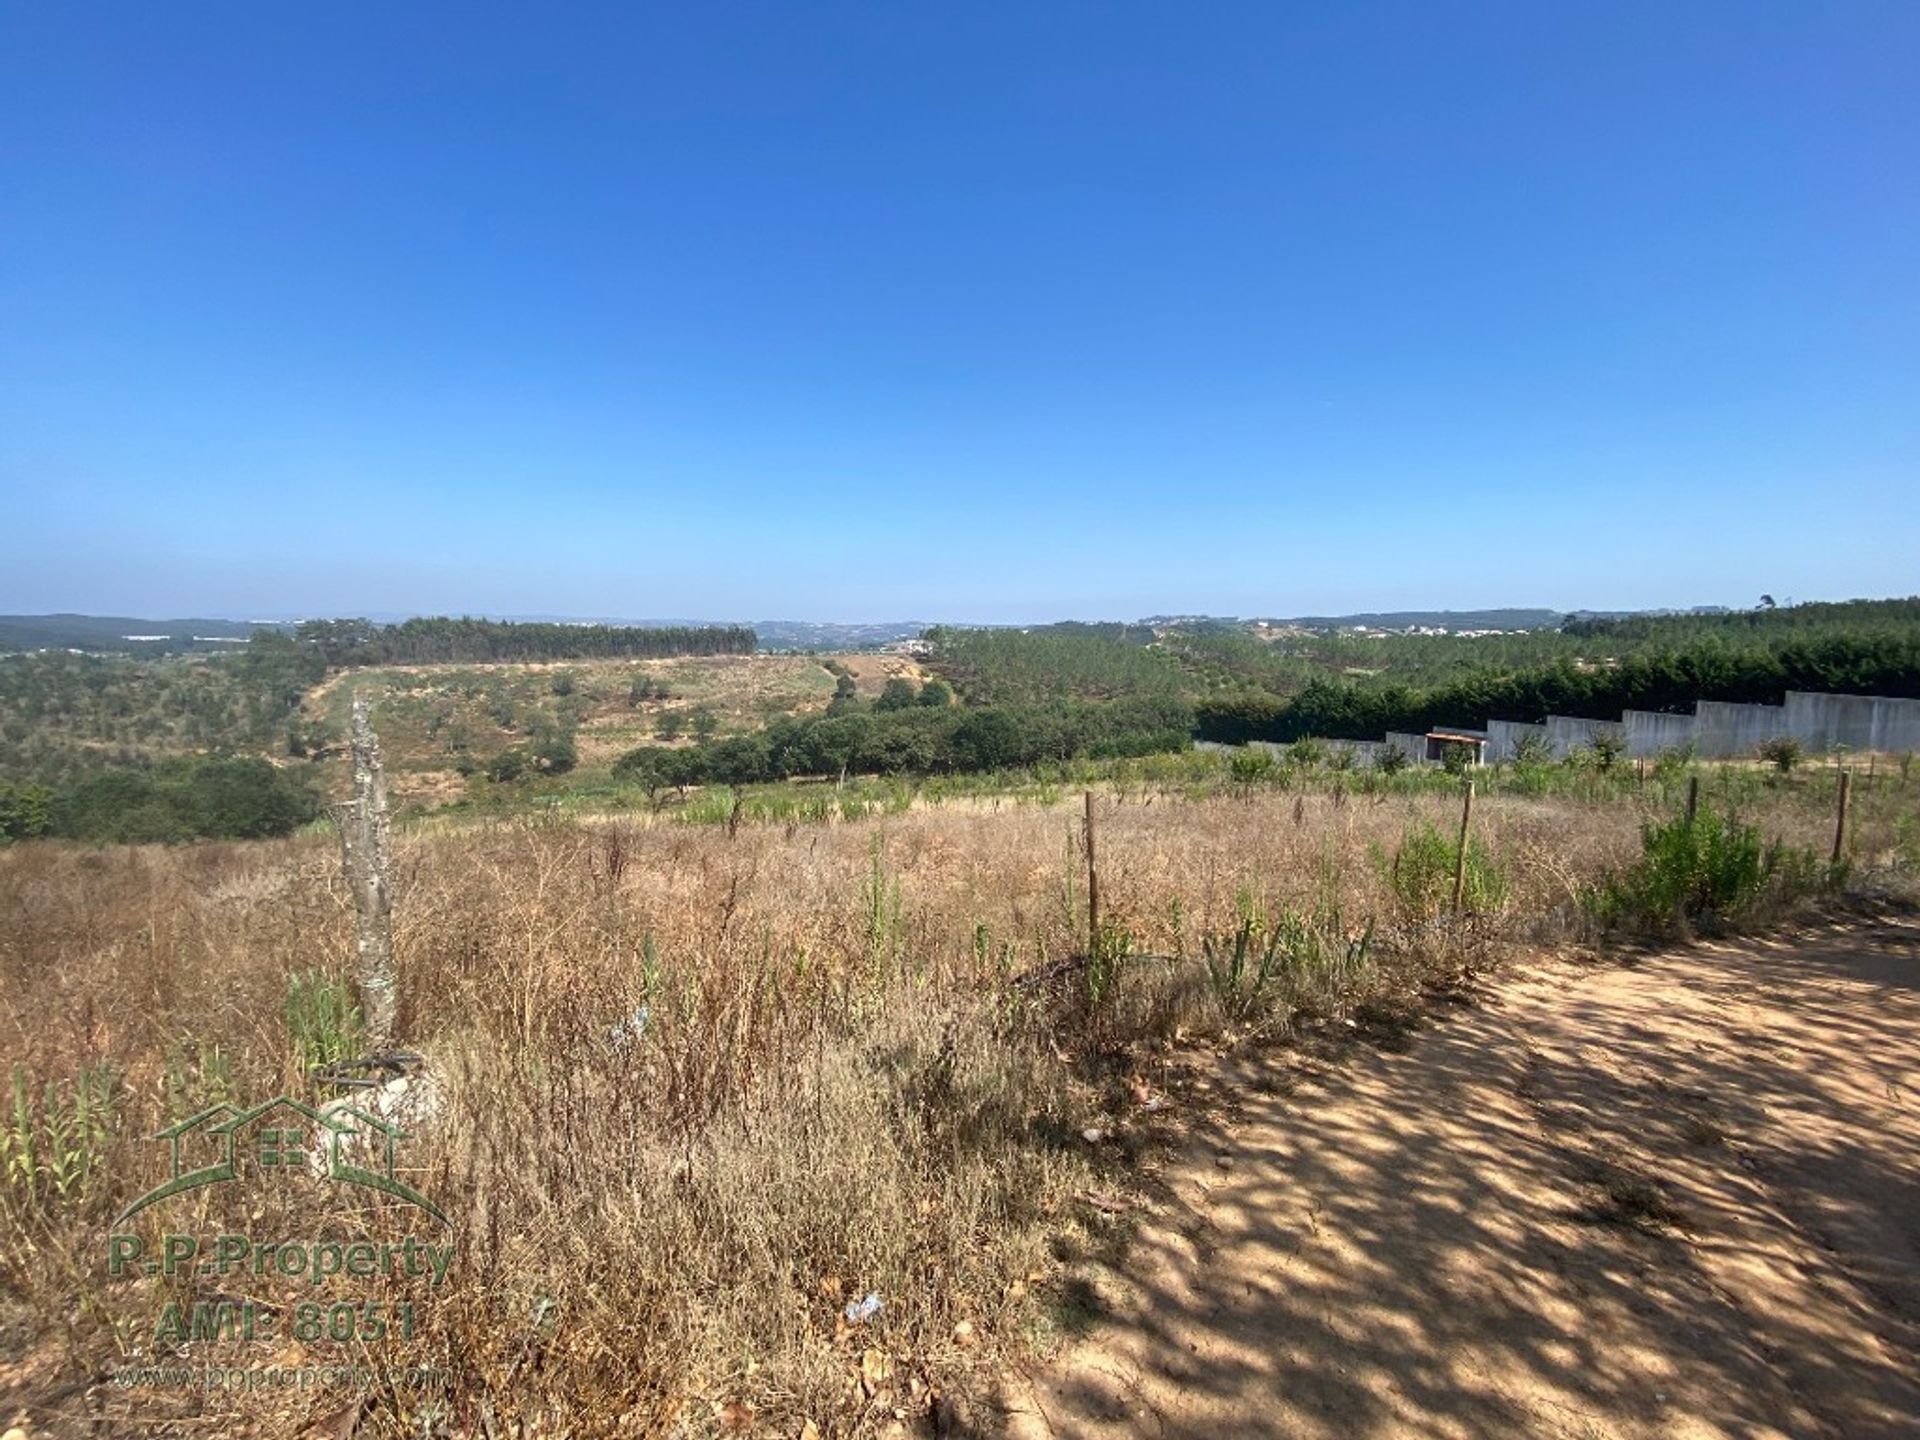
1566	733
1896	724
1651	732
1414	747
1723	730
1364	752
1504	737
1830	722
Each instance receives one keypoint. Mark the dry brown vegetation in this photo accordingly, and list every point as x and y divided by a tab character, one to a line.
872	671
431	715
838	1087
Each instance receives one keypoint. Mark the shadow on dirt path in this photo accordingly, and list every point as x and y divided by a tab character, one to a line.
1676	1198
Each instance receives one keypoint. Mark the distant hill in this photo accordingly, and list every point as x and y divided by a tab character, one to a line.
119	633
1516	619
829	635
131	634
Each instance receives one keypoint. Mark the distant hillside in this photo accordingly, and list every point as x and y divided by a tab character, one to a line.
129	634
829	635
1515	619
118	633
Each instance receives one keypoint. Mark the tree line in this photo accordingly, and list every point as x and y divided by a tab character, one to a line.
222	799
920	739
1884	663
1068	660
442	639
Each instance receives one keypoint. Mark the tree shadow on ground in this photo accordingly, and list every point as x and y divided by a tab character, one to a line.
1676	1199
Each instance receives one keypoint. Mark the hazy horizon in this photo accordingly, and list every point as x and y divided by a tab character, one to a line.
801	617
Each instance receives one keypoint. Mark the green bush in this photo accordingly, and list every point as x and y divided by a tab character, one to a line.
1782	752
1421	874
555	752
896	694
1711	871
323	1019
25	811
1309	752
1532	750
507	766
223	799
1606	748
1291	960
1250	764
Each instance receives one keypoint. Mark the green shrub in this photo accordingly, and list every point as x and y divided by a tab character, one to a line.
1421	874
1906	840
555	752
1250	764
507	766
1291	960
25	811
323	1019
1606	748
53	1141
1782	752
1710	871
1532	750
1309	752
225	799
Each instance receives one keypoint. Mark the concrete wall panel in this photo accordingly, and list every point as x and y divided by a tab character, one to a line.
1724	731
1504	737
1364	752
1566	733
1651	732
1830	722
1414	747
1896	725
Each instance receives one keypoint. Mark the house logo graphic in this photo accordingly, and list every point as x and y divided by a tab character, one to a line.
281	1139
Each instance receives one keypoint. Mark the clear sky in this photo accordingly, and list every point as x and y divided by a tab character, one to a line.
965	311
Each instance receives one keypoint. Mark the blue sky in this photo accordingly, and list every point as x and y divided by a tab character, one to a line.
983	311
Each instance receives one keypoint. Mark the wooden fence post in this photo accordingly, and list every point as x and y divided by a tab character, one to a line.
1460	860
1840	821
1693	797
366	858
1093	886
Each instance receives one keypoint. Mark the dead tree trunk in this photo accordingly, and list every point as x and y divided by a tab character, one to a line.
366	856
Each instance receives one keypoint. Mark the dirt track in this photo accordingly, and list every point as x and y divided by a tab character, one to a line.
1680	1198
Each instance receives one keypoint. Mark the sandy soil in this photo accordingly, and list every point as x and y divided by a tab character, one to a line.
1679	1198
871	671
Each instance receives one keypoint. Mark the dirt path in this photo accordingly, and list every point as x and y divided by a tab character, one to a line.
1675	1199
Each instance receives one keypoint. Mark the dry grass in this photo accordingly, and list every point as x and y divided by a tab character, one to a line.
430	714
836	1089
872	671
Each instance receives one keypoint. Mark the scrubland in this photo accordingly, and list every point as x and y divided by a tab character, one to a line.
697	1087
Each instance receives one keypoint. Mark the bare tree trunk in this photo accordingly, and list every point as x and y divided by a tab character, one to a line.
366	856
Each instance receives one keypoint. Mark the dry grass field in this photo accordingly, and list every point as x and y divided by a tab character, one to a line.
694	1089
